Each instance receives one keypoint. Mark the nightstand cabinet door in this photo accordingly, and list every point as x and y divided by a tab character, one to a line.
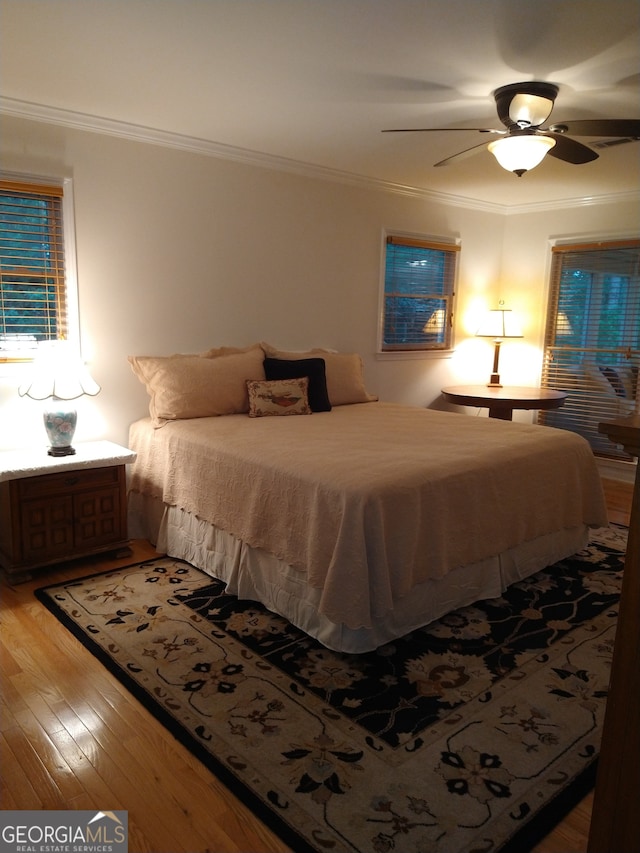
47	529
97	518
60	516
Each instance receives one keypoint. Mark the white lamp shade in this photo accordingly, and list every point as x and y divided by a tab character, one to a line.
435	323
521	153
563	324
499	323
58	372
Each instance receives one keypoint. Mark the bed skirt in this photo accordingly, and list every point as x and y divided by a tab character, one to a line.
253	574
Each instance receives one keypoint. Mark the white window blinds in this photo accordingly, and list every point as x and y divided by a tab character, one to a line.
32	268
592	340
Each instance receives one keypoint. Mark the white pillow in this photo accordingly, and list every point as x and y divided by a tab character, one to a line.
183	386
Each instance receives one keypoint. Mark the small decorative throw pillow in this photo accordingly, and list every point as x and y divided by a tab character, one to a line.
278	397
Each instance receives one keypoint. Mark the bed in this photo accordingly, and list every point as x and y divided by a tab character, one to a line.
362	521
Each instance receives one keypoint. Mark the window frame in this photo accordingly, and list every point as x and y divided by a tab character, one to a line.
426	349
70	327
588	355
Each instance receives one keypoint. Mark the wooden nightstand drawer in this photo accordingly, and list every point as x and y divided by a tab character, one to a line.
66	482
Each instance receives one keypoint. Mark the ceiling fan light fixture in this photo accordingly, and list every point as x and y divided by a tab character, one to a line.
528	110
520	154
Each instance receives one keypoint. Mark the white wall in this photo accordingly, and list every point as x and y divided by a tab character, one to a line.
179	251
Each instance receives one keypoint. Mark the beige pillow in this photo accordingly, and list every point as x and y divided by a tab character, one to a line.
216	352
196	387
344	371
278	397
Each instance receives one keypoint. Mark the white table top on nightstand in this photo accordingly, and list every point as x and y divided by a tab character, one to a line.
33	462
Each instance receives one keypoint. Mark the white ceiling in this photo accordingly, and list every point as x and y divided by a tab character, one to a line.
315	81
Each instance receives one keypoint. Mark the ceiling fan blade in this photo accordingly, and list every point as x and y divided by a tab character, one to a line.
599	127
462	155
431	129
569	150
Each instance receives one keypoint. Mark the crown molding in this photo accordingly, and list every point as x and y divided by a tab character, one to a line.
181	142
584	201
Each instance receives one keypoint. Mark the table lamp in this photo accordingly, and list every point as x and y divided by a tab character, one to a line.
59	376
498	324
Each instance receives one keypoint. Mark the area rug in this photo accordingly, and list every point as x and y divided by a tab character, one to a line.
468	735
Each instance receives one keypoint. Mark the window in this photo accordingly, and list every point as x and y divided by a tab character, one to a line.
592	341
417	310
34	277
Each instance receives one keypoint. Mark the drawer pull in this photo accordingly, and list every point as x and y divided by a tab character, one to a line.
71	481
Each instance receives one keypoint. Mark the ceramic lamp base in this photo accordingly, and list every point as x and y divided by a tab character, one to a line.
60	424
61	451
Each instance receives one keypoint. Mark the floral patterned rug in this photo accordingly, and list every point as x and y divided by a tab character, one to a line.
468	735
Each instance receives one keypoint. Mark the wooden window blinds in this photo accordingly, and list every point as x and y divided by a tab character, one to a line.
418	294
32	268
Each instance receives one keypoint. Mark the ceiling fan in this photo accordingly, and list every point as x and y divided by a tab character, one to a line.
523	108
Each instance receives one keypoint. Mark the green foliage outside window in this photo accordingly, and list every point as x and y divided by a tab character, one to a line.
32	275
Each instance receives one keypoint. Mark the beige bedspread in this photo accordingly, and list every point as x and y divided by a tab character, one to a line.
370	499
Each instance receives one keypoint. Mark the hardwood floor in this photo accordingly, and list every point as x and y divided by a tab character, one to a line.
72	737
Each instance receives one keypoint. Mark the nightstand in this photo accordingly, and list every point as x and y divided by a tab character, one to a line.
54	509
